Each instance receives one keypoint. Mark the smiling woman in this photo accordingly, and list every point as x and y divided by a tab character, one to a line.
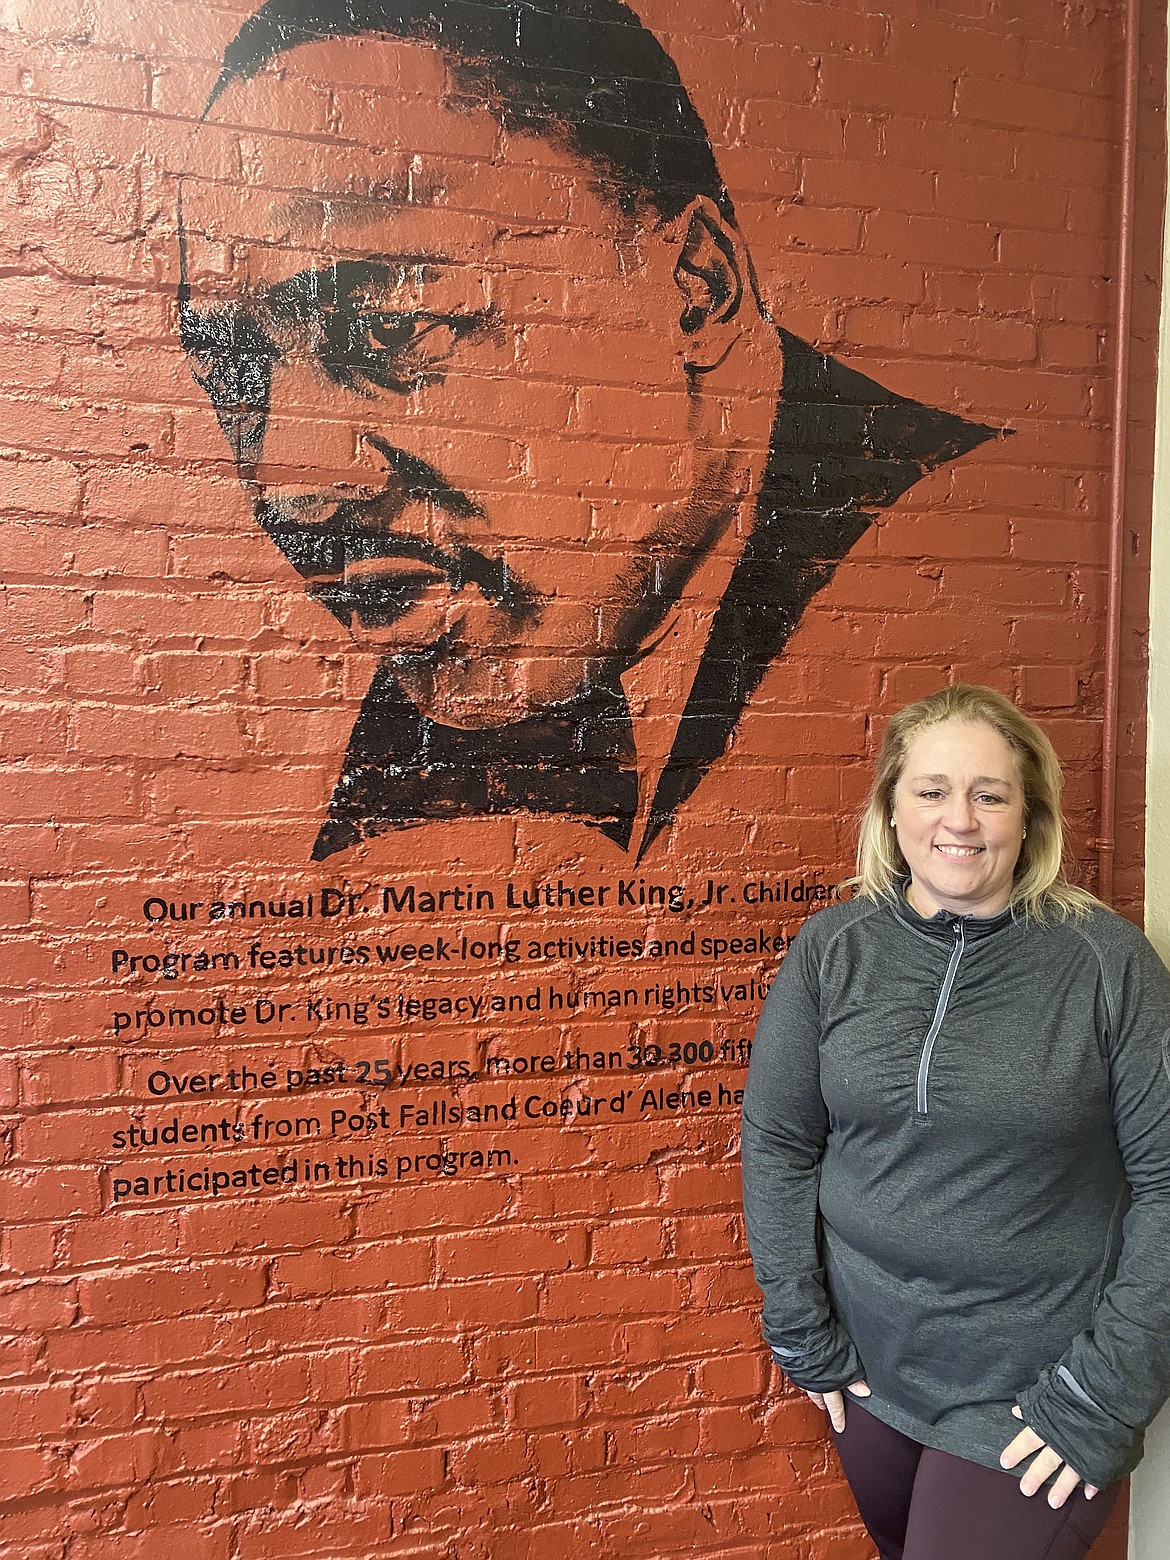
999	757
959	818
956	1146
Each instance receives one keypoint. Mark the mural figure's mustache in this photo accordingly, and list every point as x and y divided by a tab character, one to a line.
360	531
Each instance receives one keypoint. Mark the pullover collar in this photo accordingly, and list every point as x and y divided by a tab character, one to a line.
941	925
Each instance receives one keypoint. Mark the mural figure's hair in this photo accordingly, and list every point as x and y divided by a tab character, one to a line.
588	75
1040	887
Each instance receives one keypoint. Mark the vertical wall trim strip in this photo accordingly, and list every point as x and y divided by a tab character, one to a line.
1149	1508
1107	823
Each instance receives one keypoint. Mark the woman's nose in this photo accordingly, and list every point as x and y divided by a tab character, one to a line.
959	814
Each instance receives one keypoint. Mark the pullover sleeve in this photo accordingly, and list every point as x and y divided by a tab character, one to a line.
785	1127
1093	1404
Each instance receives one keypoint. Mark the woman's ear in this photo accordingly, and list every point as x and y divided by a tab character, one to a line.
709	275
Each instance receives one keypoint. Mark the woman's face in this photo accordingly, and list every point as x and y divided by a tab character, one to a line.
958	813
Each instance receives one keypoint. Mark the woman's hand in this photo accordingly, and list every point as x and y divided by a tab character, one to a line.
1045	1463
833	1403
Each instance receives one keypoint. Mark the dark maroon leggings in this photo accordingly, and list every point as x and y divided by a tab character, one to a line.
919	1504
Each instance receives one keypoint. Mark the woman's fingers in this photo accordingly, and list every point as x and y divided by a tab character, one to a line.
1023	1446
1044	1464
1042	1467
833	1404
1065	1484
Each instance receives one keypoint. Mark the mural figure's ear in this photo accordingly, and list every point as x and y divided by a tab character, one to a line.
709	274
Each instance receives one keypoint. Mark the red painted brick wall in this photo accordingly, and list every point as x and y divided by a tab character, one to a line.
559	1348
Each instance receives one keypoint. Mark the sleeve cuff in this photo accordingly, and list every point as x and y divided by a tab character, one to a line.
1099	1446
825	1363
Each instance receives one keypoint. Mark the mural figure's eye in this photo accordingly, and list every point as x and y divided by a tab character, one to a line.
398	351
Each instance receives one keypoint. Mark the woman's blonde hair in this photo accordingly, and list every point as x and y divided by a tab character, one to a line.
1041	887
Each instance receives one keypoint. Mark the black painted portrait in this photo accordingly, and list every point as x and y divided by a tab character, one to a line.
494	368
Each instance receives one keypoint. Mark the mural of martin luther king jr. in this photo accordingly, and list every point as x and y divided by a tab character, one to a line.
493	366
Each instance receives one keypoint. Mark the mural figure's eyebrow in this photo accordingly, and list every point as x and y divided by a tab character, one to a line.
344	279
404	194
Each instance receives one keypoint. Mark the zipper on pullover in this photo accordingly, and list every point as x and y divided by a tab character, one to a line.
940	1012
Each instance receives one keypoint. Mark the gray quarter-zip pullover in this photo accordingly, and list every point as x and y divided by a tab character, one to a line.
956	1158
